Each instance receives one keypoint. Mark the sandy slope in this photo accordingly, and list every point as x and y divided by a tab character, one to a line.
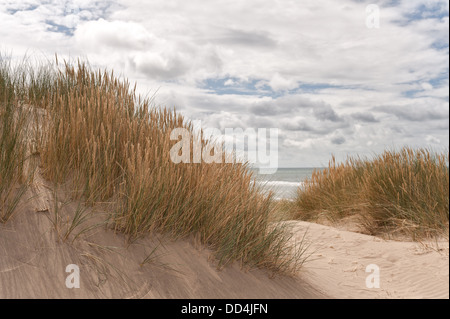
33	260
339	259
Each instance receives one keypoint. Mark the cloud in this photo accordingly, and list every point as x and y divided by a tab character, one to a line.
416	112
310	68
268	108
229	82
252	39
298	125
289	104
364	117
280	83
260	122
433	140
338	140
325	112
160	66
107	35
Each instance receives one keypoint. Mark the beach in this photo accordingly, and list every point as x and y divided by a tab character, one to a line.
99	198
33	264
339	260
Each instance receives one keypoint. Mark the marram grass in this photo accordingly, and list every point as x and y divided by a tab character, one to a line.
404	191
15	168
112	146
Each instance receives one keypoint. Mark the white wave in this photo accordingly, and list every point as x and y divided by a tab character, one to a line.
283	198
280	183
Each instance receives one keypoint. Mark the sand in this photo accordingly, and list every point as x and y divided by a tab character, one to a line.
33	261
339	259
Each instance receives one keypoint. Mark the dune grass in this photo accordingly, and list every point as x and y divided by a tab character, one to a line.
404	191
113	146
13	152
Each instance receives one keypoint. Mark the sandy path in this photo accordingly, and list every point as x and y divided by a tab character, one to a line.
337	266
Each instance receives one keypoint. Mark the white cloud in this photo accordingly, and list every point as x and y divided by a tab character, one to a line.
357	86
433	140
102	35
229	82
279	83
427	86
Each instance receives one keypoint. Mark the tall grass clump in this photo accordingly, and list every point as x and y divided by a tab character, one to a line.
14	173
404	191
112	146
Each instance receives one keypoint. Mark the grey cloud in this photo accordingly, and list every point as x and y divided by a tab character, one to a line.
398	129
212	61
300	125
414	113
325	112
338	140
443	126
276	107
246	38
285	105
365	117
312	126
258	121
174	68
265	108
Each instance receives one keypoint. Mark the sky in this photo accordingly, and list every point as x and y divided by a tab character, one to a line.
330	76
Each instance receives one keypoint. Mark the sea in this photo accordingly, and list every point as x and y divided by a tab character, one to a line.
285	182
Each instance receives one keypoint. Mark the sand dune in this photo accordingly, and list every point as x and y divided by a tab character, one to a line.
339	258
33	261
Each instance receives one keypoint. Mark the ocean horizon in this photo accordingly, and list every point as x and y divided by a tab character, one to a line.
285	182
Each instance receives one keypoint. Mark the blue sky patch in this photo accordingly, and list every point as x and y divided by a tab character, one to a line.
232	85
55	27
29	8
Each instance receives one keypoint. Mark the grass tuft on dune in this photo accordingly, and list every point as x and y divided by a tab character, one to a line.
405	191
112	146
